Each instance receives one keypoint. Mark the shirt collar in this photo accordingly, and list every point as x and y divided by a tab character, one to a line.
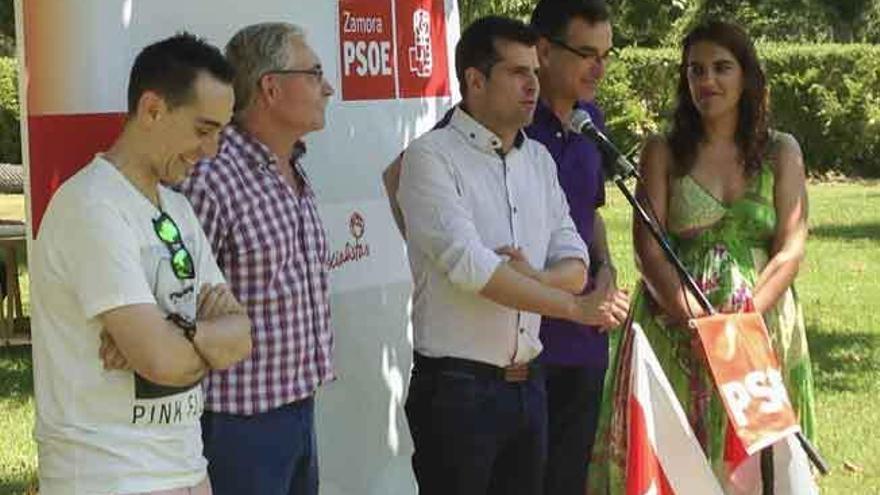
545	117
255	152
478	135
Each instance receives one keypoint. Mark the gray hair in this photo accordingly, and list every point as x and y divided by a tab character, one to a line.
255	50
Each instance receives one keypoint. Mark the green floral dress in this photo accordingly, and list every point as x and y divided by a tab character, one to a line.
724	246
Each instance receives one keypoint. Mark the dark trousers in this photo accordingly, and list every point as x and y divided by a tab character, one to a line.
271	453
476	434
574	395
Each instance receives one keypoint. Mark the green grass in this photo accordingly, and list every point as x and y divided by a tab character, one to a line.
840	289
839	285
18	453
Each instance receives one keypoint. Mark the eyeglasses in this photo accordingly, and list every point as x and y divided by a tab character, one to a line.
590	54
317	72
167	232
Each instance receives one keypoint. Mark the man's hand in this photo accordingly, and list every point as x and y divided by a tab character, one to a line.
217	300
604	309
606	282
111	355
517	260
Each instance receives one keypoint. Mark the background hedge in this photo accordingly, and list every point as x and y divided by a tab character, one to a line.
827	95
10	133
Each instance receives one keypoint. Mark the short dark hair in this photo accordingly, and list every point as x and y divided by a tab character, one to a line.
170	67
477	46
551	17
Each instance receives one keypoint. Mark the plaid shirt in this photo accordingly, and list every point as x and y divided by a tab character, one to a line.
271	246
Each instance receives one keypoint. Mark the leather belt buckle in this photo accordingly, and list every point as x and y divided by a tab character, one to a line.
516	373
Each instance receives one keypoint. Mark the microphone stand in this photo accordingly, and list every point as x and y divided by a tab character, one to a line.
621	171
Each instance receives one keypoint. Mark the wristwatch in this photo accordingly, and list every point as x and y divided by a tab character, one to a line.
188	327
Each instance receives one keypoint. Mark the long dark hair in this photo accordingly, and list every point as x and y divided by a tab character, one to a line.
752	132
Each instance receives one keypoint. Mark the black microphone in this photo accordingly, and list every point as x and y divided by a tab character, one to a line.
615	163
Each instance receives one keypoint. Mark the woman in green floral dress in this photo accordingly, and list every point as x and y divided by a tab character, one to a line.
732	196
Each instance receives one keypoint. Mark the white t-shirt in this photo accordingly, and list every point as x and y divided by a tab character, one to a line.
103	431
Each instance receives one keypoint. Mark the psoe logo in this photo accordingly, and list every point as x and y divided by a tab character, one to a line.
352	251
420	57
393	49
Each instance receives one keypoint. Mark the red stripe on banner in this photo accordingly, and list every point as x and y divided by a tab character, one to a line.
59	146
643	469
734	450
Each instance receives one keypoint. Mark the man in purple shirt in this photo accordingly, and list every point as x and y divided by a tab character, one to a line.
573	49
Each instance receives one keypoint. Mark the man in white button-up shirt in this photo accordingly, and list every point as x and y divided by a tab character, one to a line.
482	206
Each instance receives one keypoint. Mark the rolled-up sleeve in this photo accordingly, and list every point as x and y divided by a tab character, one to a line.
438	223
565	242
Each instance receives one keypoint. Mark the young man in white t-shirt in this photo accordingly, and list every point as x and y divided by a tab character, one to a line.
129	307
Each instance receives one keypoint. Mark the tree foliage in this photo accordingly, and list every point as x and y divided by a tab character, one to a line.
654	23
7	28
474	9
827	96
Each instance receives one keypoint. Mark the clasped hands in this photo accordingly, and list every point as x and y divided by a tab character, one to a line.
605	306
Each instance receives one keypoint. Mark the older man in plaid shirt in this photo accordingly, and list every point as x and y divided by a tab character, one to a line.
259	213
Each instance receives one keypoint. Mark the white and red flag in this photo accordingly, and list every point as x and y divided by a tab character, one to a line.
791	472
663	455
750	382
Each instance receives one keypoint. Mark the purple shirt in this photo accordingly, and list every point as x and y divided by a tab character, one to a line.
579	166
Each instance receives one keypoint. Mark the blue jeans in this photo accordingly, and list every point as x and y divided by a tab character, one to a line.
574	395
271	453
477	435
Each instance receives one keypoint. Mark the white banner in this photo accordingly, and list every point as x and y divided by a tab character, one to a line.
663	455
390	62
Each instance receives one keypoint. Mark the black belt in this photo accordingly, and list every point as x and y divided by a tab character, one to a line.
514	373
